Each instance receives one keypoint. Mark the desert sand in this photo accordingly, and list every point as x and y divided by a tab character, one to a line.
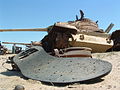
9	79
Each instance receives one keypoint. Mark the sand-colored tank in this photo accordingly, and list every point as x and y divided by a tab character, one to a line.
82	32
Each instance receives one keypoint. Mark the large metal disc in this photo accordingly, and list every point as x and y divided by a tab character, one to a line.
35	63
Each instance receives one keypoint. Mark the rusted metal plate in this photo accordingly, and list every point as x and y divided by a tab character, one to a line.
41	66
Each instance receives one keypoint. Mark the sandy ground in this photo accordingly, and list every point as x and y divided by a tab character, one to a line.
9	79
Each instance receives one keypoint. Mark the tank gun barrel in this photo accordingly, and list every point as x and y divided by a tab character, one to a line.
16	43
33	43
34	29
109	28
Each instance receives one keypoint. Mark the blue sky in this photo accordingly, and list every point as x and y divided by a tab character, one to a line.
42	13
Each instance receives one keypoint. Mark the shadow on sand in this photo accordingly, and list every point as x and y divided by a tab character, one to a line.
92	81
13	73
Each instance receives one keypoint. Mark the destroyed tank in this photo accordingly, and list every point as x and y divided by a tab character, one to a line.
82	32
71	44
3	50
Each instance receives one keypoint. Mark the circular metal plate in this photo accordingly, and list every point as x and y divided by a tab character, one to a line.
41	66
